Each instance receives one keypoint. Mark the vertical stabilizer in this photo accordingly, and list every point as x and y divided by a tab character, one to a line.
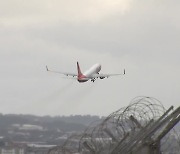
79	70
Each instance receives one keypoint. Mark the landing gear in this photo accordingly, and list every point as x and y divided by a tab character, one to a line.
93	80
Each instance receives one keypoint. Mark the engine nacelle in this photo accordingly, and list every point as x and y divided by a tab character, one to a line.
101	77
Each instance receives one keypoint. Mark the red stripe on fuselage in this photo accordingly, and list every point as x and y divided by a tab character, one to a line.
82	78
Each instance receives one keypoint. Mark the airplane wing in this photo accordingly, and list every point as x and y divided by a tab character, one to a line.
106	75
64	73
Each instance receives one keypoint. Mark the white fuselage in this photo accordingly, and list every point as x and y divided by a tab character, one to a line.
89	73
93	70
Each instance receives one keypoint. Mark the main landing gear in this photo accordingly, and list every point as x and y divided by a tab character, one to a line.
93	80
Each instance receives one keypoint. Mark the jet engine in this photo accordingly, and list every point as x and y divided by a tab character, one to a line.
101	77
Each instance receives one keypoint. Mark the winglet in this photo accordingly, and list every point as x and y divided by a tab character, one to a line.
47	68
124	72
78	69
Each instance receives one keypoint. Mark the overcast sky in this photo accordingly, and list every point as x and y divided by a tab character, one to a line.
141	36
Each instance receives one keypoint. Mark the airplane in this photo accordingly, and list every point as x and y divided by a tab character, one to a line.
91	74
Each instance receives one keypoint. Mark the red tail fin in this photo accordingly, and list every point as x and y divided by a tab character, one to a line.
79	70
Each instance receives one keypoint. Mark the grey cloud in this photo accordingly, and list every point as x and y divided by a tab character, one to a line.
144	39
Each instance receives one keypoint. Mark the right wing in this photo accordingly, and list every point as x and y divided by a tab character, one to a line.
64	73
106	75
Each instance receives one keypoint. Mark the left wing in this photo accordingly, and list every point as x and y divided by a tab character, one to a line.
106	75
64	73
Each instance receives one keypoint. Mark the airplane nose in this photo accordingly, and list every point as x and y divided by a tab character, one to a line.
99	68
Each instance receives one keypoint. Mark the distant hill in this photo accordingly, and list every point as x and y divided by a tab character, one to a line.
47	129
69	123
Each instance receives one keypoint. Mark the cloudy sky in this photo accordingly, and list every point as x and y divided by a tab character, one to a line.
141	36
